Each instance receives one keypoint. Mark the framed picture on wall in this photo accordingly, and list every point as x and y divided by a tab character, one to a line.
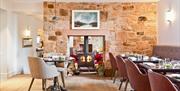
27	42
85	19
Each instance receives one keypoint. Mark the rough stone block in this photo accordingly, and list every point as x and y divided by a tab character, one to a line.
63	12
52	38
58	33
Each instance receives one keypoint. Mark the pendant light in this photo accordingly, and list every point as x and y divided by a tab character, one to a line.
55	18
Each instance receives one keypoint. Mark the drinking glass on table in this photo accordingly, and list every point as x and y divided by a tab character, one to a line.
161	63
176	65
168	63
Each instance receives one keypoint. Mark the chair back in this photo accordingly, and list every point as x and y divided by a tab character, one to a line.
40	70
138	80
121	67
113	61
159	82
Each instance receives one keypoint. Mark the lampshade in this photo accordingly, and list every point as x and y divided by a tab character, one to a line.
170	16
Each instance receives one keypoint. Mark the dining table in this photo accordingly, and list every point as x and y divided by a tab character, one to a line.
167	71
158	69
141	59
155	64
55	86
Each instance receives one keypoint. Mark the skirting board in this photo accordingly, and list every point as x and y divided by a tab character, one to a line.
5	76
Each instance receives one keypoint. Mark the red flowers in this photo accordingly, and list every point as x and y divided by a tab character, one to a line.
75	57
99	59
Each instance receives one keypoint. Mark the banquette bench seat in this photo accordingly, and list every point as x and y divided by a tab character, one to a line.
172	52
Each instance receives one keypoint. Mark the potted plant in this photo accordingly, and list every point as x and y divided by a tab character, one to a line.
99	64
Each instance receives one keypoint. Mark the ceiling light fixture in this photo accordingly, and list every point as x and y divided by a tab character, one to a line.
55	18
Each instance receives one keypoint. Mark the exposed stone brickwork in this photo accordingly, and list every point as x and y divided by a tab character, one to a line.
129	27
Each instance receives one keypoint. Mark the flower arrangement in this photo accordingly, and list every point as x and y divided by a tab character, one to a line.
98	58
99	64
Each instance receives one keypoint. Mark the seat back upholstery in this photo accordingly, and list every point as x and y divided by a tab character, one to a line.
167	52
40	70
159	82
113	61
121	67
138	81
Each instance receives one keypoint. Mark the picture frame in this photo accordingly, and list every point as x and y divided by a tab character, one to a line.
27	42
85	19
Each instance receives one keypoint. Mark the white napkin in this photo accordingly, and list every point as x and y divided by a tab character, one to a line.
145	58
150	64
176	66
174	75
133	58
49	59
155	59
71	58
123	55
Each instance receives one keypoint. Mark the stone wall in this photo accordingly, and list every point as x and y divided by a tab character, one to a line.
128	27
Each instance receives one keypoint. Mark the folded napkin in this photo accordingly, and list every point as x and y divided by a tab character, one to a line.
71	58
132	58
174	75
150	64
176	66
55	57
48	59
155	59
122	55
145	58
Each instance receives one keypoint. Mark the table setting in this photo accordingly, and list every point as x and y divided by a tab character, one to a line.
164	64
140	58
55	59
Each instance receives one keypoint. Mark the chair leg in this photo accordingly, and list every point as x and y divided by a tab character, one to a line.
112	75
127	81
62	77
59	87
115	76
120	85
31	84
43	84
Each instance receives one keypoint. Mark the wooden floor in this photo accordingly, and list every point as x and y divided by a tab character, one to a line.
73	83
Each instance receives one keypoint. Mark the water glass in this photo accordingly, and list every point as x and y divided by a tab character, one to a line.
161	63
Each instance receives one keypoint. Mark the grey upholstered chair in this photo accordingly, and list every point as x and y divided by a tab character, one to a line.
40	70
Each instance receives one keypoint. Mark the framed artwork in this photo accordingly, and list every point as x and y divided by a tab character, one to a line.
85	19
27	42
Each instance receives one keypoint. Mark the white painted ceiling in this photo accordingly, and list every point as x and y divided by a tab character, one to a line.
35	7
37	1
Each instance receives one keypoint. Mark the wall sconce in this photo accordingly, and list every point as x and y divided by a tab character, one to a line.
38	39
27	33
170	16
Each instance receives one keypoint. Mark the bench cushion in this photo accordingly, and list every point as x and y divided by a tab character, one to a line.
172	52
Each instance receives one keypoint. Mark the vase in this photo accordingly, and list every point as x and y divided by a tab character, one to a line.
101	71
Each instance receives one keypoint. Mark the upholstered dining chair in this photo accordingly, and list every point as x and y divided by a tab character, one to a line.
122	72
114	66
160	82
138	80
40	70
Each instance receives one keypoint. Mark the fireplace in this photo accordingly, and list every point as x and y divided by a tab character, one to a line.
84	48
86	58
